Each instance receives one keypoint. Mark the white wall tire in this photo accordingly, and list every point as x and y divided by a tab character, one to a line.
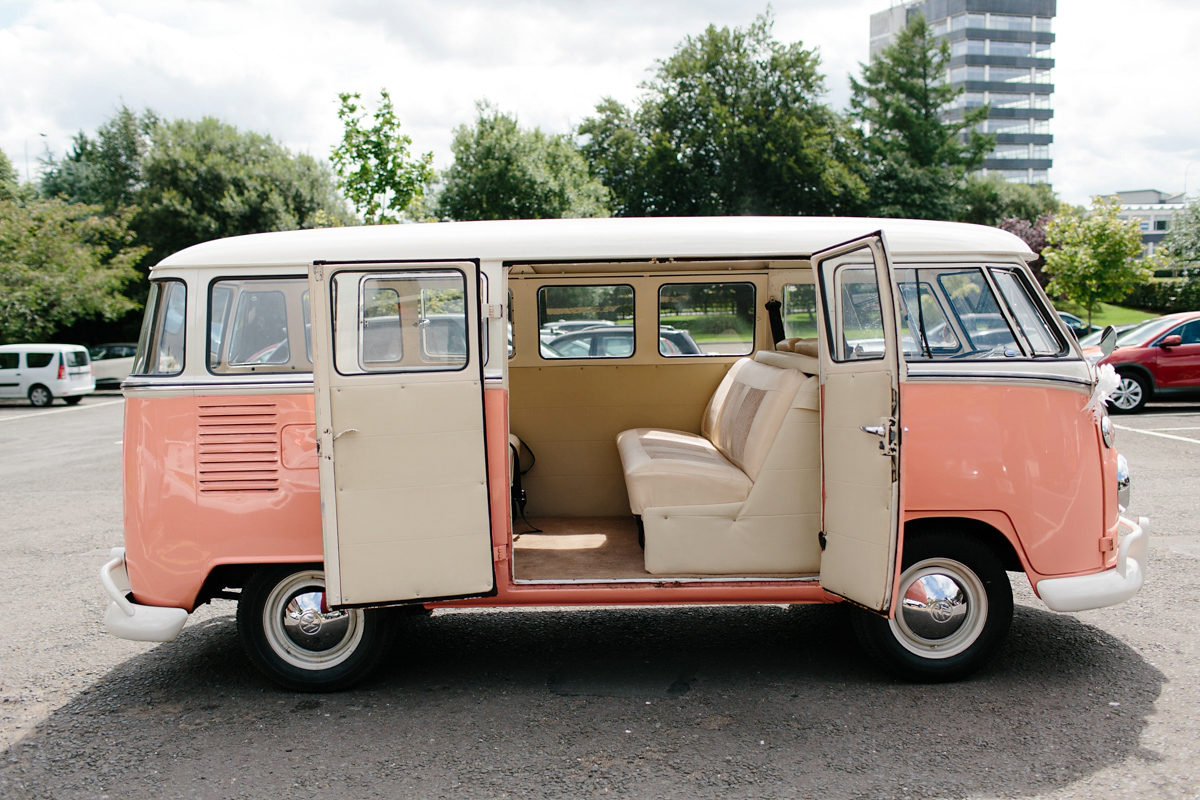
298	645
954	611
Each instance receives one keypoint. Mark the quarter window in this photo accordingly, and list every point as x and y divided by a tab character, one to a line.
160	345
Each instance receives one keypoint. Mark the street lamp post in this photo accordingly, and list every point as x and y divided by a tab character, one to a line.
1185	174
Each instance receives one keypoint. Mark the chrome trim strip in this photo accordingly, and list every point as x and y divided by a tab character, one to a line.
915	372
178	386
713	579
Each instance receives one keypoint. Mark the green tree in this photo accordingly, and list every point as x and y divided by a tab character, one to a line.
372	163
106	170
731	123
989	200
1182	242
206	180
918	160
1092	257
8	179
503	172
59	262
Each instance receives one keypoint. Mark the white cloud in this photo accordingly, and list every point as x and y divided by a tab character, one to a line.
1125	115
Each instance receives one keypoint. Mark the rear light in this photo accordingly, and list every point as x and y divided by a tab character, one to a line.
62	372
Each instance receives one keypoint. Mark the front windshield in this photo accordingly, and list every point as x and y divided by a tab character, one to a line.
1145	331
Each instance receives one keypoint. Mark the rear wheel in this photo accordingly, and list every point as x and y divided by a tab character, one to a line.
1131	396
39	396
955	610
73	401
299	645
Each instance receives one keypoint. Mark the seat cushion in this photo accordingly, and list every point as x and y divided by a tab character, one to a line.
665	468
747	409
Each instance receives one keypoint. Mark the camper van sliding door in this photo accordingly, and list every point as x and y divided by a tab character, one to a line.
861	370
399	409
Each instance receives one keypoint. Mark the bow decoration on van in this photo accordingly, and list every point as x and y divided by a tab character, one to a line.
1106	382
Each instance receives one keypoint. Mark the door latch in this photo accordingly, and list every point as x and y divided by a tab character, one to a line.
888	444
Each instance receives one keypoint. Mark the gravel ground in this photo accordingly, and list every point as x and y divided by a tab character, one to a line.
699	702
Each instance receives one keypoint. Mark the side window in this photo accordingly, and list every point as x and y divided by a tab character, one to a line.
706	319
9	360
160	345
407	322
1190	333
259	325
859	334
800	310
585	321
38	360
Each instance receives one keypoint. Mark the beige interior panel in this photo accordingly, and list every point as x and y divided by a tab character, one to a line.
570	416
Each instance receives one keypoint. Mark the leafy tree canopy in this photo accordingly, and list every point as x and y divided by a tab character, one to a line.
59	262
106	170
1182	242
503	172
372	163
917	159
989	200
206	179
731	123
190	181
1092	257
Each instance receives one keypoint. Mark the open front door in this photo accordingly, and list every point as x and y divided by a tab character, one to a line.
399	409
861	371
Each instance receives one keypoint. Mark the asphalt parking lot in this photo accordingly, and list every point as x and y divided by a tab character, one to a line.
699	702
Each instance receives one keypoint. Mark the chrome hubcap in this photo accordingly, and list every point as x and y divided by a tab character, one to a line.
943	608
301	632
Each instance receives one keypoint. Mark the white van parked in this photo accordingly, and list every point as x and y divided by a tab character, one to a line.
42	372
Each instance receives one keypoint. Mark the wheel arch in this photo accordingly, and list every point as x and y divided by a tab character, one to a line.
984	533
1140	371
223	580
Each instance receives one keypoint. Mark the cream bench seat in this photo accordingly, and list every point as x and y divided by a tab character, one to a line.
743	496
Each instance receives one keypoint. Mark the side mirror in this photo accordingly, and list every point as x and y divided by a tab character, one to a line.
1174	340
1108	340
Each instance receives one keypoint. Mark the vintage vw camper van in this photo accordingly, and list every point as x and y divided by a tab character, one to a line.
331	425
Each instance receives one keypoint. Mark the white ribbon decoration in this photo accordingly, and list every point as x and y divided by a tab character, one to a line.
1105	381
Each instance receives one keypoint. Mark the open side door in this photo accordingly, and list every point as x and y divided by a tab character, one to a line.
397	367
861	371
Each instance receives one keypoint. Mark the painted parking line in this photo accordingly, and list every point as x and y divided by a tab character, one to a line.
79	407
1160	434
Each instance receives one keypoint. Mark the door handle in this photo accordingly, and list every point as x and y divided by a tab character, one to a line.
878	430
337	436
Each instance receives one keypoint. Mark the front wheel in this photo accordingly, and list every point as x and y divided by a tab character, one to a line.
1131	396
296	642
955	610
40	397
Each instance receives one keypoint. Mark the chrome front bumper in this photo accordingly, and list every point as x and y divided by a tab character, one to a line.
1108	588
128	620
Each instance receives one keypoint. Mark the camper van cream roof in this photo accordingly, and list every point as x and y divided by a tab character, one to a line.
613	239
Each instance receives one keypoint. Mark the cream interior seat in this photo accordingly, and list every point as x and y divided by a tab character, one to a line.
744	495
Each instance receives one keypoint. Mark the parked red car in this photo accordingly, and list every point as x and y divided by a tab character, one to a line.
1157	360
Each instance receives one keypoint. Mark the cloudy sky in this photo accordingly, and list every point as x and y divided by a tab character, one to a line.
1126	82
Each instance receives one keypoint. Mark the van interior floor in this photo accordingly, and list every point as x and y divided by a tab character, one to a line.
591	549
